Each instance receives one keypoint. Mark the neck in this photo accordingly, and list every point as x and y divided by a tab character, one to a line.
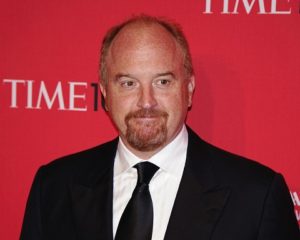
145	155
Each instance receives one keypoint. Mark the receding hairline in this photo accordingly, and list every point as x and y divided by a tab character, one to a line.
140	34
171	28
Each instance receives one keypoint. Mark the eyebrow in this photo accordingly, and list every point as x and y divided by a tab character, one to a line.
165	74
120	75
169	73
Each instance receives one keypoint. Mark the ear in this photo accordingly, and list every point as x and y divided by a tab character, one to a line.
191	88
103	89
103	96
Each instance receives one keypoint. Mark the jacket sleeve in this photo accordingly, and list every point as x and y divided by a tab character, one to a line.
278	220
32	226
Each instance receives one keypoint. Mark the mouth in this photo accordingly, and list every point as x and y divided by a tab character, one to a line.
146	117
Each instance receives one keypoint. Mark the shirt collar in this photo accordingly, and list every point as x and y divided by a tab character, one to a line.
167	159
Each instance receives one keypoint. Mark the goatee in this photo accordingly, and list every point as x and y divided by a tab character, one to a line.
146	129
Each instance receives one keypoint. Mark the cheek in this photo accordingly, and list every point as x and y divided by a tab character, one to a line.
181	97
114	99
178	105
173	104
118	107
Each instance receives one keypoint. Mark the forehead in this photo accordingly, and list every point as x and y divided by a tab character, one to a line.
144	41
138	34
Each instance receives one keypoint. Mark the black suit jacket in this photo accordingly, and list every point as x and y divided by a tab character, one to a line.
221	197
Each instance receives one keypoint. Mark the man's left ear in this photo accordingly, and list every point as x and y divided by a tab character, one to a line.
191	88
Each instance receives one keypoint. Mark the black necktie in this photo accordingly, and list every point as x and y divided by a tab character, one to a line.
137	219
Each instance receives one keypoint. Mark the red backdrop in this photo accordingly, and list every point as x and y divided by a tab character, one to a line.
247	96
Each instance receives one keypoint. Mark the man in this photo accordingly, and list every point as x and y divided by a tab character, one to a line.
194	190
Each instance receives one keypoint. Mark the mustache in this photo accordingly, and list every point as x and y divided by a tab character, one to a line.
146	113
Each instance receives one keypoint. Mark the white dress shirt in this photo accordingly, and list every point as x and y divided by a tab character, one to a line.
163	186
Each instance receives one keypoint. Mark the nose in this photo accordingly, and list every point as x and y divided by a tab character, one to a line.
146	98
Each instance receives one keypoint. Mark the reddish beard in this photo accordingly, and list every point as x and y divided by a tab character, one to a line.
148	134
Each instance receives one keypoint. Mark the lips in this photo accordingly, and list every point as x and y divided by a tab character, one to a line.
146	121
146	117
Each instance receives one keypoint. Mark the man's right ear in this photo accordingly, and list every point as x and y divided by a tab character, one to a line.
103	97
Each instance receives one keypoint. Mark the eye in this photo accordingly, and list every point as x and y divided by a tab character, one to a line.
163	82
127	83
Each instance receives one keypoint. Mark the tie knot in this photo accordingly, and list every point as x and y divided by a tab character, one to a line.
145	170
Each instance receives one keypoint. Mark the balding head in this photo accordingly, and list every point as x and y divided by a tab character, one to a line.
142	27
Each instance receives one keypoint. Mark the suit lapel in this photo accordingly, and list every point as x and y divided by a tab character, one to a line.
197	208
200	199
91	196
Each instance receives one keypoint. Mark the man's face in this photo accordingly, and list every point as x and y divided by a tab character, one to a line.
147	93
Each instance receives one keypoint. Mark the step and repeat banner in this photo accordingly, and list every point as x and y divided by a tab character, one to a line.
246	55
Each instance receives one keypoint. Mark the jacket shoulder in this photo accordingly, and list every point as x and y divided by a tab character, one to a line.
80	163
232	168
